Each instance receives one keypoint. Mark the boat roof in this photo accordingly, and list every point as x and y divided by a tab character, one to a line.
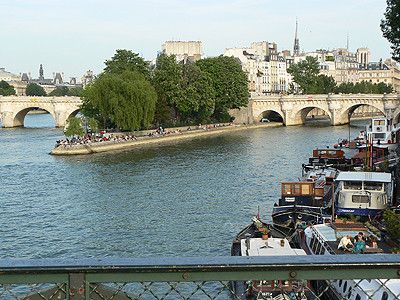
270	247
364	176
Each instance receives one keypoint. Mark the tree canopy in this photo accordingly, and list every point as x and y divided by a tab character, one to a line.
126	60
363	87
65	91
229	82
390	27
167	83
33	89
6	89
126	100
74	127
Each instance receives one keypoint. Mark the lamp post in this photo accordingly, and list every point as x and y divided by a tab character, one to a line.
349	115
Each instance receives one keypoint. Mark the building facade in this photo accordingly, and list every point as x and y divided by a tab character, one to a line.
184	50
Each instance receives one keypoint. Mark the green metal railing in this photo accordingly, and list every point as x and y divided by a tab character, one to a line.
185	278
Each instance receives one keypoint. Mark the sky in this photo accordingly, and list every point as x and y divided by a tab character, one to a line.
73	36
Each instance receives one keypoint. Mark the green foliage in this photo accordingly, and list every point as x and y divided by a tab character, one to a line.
364	87
65	91
390	27
93	124
198	100
76	91
126	60
33	89
305	75
59	91
392	222
125	100
6	89
74	127
229	82
167	83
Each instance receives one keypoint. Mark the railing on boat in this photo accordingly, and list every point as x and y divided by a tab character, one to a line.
180	278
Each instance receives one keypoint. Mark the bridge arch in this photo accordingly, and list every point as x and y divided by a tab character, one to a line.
299	117
19	117
271	115
347	112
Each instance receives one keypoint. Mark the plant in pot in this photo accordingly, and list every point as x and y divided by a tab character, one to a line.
264	232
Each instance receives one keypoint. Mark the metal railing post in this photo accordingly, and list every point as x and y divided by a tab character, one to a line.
77	286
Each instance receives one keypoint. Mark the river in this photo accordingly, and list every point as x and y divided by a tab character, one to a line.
183	199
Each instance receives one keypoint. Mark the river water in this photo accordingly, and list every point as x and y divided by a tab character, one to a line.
183	199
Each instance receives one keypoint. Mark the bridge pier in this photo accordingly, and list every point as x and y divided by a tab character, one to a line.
7	118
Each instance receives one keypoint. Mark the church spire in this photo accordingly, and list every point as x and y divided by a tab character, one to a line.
296	47
41	72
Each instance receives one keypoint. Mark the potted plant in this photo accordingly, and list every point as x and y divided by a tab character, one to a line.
264	232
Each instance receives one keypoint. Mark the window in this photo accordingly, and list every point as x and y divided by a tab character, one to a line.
373	186
340	282
345	287
360	199
378	136
352	185
358	297
379	122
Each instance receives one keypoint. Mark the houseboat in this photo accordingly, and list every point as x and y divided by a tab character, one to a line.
308	200
326	239
261	239
364	194
380	131
332	157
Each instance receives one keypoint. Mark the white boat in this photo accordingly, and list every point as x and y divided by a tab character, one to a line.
381	132
324	239
249	242
363	193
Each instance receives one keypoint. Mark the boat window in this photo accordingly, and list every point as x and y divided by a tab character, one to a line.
287	189
297	189
345	286
385	296
340	282
305	189
379	122
360	199
373	186
349	293
352	185
378	136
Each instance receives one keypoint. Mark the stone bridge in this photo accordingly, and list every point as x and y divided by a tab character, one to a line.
293	109
13	109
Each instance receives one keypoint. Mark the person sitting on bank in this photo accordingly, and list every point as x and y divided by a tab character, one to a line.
345	243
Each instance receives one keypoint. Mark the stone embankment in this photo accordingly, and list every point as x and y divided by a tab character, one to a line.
142	141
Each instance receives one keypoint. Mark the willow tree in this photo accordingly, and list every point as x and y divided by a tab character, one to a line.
390	26
74	127
123	100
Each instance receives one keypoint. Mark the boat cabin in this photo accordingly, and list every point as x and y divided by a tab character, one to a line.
363	193
327	156
379	153
380	131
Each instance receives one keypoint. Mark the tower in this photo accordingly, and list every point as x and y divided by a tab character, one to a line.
41	72
296	47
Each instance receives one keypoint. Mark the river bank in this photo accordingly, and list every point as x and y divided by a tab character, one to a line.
141	141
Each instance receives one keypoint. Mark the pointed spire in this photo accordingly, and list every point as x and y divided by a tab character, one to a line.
296	46
347	43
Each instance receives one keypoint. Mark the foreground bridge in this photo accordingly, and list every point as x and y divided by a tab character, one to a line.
200	278
13	109
293	109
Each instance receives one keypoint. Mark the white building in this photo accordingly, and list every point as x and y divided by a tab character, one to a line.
184	50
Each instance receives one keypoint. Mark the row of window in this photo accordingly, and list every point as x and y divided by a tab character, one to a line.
385	295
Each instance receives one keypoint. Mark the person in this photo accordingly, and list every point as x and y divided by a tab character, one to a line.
360	245
374	244
345	243
308	233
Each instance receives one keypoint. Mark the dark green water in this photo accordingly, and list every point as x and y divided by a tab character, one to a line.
185	199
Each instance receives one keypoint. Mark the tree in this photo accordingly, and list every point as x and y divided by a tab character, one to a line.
392	222
126	60
75	91
305	74
6	89
229	82
126	100
59	91
198	99
74	127
167	81
390	27
33	89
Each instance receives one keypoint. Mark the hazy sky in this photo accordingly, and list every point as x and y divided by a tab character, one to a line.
72	36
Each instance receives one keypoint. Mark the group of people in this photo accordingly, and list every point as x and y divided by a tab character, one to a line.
104	137
358	244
